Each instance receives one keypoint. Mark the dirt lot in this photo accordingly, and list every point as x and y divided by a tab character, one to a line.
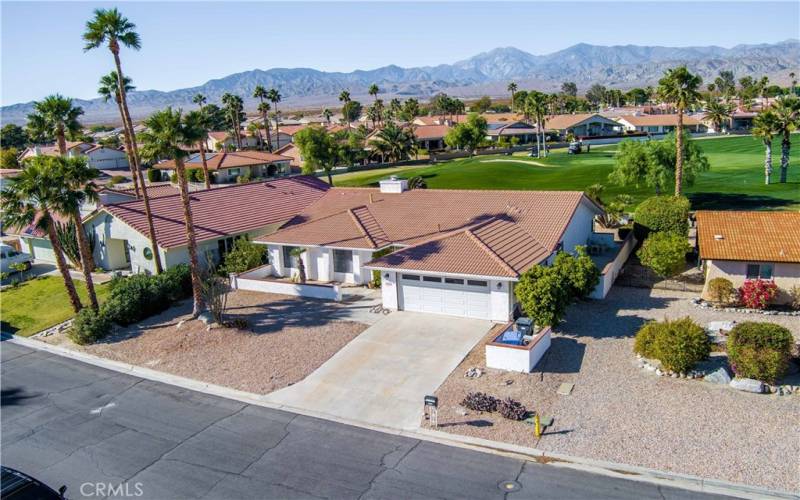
288	338
620	413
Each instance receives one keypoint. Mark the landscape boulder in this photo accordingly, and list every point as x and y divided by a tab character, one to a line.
718	376
748	385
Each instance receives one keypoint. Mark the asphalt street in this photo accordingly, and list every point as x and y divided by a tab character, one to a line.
104	433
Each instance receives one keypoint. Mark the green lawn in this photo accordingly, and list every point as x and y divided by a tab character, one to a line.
736	178
40	303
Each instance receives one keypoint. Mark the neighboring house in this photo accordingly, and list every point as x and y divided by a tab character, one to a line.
742	120
6	174
220	215
219	139
431	137
582	125
457	252
292	151
97	156
229	166
750	245
660	124
523	131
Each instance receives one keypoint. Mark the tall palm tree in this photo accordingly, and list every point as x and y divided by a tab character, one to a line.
787	112
512	87
198	121
680	88
233	106
374	91
32	197
109	26
79	187
718	113
275	97
327	113
263	108
109	89
344	97
200	100
537	104
167	133
395	141
766	127
58	117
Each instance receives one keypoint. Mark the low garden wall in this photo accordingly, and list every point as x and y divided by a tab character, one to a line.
258	280
611	270
518	358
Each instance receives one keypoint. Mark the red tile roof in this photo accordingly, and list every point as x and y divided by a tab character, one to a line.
751	236
425	132
223	160
223	211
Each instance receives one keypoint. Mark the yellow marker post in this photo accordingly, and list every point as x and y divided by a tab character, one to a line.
537	426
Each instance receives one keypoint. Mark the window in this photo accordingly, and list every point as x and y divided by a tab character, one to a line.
410	277
477	283
759	271
127	252
342	261
454	281
234	172
288	259
432	279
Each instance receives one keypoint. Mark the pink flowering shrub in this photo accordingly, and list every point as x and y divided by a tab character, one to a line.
758	293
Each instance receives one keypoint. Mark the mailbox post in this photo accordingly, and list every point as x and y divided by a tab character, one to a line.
430	410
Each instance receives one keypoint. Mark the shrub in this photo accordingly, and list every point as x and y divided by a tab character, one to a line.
115	179
479	401
543	294
417	182
173	178
644	343
140	296
175	283
664	253
662	214
579	271
760	350
195	175
89	327
153	175
512	410
721	290
243	179
758	293
681	344
794	294
244	255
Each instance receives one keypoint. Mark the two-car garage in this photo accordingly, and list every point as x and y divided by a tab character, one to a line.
470	298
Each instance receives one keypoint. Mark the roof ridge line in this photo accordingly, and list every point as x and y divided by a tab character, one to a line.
361	227
474	237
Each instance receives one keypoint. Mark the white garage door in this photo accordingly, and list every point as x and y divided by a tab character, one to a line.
452	296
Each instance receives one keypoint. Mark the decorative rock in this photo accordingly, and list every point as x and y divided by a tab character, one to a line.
748	385
180	324
720	376
205	317
473	372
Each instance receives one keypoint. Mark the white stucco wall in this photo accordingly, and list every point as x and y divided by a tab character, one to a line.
785	275
107	158
580	227
40	248
318	262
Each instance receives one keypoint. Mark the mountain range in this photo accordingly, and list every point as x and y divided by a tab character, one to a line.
488	73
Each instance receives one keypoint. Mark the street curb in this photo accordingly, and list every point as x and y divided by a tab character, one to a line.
608	469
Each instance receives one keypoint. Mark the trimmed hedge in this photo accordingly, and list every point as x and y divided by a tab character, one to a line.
662	214
677	344
140	296
760	350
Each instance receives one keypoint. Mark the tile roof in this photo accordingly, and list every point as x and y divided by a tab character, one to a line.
561	122
656	120
753	236
223	160
519	227
425	132
32	230
223	211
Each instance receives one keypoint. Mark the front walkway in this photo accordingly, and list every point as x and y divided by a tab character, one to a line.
382	375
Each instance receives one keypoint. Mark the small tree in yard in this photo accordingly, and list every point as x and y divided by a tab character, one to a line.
664	253
215	291
244	255
758	293
660	214
579	271
544	295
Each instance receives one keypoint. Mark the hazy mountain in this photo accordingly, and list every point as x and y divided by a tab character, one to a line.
620	66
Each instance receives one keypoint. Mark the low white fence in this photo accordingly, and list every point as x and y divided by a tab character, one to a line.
257	280
612	269
518	358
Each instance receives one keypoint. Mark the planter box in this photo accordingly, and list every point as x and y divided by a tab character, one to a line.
518	358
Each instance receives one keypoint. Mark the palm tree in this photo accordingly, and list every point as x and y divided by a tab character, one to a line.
766	127
32	197
108	89
787	112
233	106
198	121
512	87
680	88
79	187
200	100
794	82
111	27
537	107
327	113
297	253
167	133
58	117
394	141
718	113
275	97
344	97
263	108
374	90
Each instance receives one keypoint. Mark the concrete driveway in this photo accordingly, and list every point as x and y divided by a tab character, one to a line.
382	375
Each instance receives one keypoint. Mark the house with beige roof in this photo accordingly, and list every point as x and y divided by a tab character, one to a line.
97	156
582	125
750	245
453	252
660	124
227	167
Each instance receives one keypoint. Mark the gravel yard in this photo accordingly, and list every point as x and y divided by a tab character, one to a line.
289	338
621	413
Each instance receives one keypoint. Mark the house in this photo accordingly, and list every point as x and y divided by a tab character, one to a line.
292	151
660	124
220	215
456	252
582	125
431	137
742	119
219	140
523	131
749	245
97	156
229	166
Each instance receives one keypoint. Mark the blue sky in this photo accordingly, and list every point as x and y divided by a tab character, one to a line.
187	43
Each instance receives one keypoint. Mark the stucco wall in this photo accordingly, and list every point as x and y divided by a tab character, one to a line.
784	274
579	228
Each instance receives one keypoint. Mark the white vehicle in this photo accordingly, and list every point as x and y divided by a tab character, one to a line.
9	256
